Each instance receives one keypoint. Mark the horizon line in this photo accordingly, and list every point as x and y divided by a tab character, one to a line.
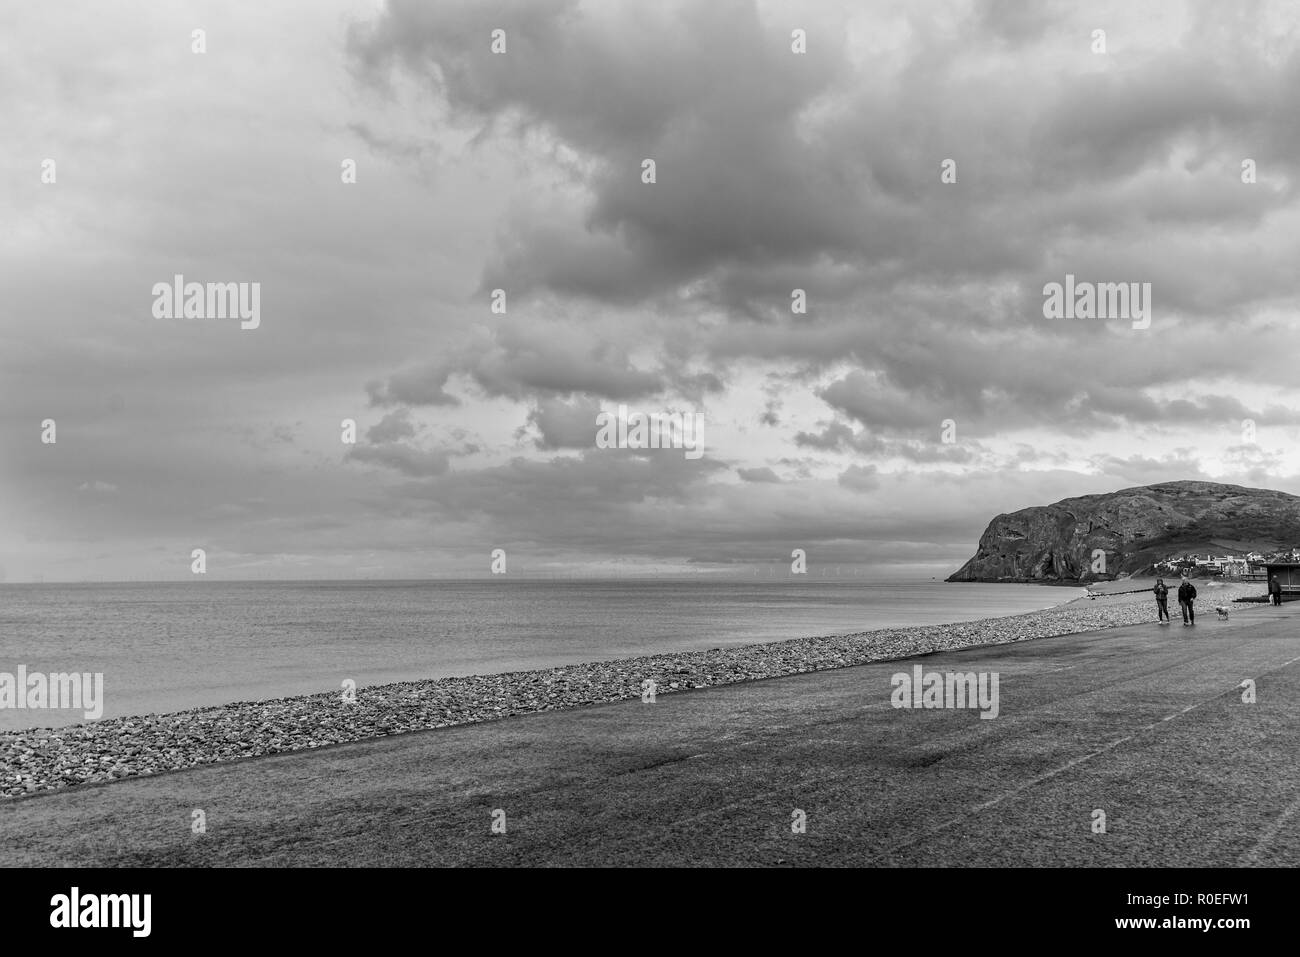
676	576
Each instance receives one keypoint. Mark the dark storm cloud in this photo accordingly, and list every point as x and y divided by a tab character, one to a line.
554	359
835	436
874	403
416	385
393	426
566	424
527	360
779	171
717	108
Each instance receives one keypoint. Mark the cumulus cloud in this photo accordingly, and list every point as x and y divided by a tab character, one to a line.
566	424
393	426
416	385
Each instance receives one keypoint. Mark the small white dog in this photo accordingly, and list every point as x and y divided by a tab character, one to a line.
1223	612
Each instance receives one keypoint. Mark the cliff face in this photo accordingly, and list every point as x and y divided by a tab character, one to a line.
1135	527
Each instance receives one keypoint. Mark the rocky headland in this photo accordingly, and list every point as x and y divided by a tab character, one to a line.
1133	528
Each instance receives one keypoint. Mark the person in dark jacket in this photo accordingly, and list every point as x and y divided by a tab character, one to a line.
1187	595
1162	600
1274	590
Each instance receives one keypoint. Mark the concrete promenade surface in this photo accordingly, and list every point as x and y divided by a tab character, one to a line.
1145	723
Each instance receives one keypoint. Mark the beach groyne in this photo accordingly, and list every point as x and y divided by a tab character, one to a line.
38	760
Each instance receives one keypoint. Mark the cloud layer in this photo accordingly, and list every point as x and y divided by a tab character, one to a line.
921	391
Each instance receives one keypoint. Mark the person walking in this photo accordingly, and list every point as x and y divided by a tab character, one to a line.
1274	590
1187	595
1162	601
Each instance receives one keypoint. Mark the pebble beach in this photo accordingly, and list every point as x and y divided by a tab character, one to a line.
33	761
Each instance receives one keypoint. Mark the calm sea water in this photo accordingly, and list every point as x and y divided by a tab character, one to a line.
167	647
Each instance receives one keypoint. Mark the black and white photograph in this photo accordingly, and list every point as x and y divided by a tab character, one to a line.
579	435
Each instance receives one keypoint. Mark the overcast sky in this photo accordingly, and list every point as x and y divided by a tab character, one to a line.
523	171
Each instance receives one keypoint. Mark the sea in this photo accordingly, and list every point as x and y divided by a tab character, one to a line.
171	646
